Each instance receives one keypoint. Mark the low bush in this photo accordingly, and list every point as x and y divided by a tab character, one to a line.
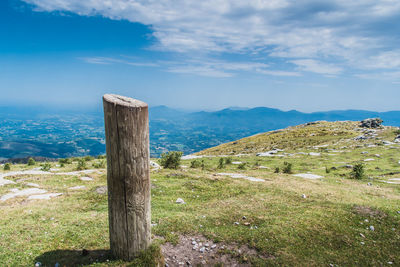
31	162
7	167
65	161
171	160
196	163
277	170
81	164
228	161
242	166
88	158
287	167
101	164
46	167
358	171
327	170
221	163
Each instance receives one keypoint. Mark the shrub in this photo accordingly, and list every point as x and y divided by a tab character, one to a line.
171	160
101	156
228	161
396	132
46	166
196	163
81	164
101	164
221	163
65	161
31	162
88	158
277	170
327	170
358	171
287	167
242	166
7	167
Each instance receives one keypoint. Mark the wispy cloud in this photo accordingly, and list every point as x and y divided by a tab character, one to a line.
109	60
317	67
314	33
200	66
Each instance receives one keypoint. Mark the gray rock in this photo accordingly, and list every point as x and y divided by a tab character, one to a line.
372	228
180	201
101	190
371	123
202	249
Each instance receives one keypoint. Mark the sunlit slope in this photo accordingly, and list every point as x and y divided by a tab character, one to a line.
299	137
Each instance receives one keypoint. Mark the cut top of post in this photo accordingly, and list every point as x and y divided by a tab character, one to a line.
124	101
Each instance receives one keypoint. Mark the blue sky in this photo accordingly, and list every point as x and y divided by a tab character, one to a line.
304	55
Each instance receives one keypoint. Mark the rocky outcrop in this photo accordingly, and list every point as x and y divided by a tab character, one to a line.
371	123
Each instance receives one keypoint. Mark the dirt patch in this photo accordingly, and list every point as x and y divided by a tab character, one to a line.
368	211
199	251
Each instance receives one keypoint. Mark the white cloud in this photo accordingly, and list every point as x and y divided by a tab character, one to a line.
202	67
317	67
312	31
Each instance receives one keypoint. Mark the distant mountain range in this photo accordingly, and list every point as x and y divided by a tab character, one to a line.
59	133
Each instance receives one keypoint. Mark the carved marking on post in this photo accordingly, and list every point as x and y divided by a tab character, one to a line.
128	177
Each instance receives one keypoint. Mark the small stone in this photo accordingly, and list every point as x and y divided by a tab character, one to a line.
236	223
180	201
363	236
362	243
390	262
206	245
202	249
398	211
372	228
38	264
303	196
188	263
195	247
194	242
86	178
213	246
366	220
181	263
244	218
370	184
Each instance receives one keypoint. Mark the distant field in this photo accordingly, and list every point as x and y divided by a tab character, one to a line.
276	219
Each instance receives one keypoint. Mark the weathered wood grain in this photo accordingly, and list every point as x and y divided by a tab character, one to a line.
128	177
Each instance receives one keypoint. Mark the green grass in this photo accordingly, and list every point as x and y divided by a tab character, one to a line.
285	229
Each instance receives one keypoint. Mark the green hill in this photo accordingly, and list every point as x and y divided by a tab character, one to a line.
305	136
298	207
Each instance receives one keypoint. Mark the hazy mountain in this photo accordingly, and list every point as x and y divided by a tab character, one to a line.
37	131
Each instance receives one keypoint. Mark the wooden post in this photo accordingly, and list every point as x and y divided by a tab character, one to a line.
128	178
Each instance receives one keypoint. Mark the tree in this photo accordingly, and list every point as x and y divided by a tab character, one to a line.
171	160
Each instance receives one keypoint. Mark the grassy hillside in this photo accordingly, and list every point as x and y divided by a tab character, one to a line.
303	136
262	217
